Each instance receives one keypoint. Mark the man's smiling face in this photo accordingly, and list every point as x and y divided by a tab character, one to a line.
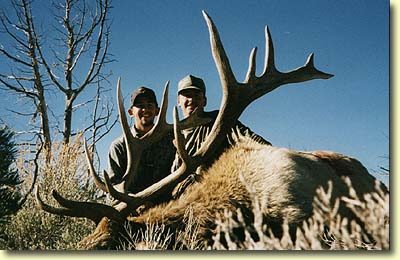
143	111
191	100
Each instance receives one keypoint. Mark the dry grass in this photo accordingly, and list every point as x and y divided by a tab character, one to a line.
325	230
31	227
156	237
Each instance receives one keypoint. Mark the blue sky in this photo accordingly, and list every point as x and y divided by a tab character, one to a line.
154	41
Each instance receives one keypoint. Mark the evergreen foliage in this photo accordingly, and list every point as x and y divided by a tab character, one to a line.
9	177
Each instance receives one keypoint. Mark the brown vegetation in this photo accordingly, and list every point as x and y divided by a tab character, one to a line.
31	227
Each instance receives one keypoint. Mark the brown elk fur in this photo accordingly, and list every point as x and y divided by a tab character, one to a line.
284	181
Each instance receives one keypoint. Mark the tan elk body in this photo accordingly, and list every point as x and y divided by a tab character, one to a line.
282	180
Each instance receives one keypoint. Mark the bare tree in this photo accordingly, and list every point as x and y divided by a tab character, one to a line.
66	63
24	76
85	37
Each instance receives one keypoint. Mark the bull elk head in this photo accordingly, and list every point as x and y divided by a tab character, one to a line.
236	97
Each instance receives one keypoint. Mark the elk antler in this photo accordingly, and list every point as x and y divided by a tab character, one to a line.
91	210
135	147
235	98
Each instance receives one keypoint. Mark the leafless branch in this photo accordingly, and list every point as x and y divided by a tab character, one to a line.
20	113
6	23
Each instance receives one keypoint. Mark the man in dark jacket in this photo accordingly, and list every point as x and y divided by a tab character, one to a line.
155	161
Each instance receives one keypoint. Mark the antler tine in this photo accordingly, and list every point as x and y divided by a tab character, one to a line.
269	63
180	142
221	60
161	127
121	110
137	145
90	210
99	183
48	208
228	113
271	78
314	71
130	140
132	202
164	105
251	72
301	74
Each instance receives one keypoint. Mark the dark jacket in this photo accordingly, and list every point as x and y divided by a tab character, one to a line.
155	162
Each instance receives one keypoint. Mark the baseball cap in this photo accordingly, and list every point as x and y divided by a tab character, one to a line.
191	82
143	91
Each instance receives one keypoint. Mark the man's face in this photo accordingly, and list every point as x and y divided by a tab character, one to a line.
190	100
143	111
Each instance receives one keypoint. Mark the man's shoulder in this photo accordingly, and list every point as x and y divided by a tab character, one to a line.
211	114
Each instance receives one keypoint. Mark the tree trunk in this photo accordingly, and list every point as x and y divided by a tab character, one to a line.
42	107
68	117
